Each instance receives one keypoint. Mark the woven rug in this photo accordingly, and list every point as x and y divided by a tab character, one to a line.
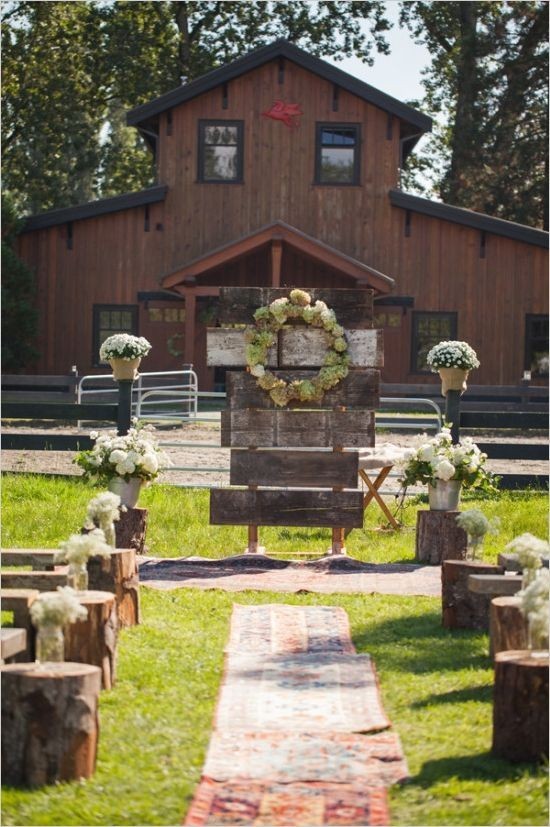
286	805
297	735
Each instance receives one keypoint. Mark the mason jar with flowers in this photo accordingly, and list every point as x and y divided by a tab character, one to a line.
124	353
534	605
77	550
477	526
453	361
49	613
124	463
445	468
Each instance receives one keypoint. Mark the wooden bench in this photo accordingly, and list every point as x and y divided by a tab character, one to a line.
19	601
39	559
495	585
509	561
42	581
13	642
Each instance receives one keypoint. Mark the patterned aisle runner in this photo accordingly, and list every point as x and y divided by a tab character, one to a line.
299	734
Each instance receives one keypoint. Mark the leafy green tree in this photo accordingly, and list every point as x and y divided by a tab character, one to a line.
487	89
19	318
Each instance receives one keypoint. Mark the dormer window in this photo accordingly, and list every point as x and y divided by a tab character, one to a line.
337	153
220	152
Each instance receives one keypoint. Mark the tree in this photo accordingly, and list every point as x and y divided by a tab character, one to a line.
19	318
72	69
487	89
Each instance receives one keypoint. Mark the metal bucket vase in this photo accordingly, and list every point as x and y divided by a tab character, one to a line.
127	491
453	379
125	368
444	496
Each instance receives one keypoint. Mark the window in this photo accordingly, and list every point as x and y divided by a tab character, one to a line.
337	154
221	152
110	319
427	330
536	345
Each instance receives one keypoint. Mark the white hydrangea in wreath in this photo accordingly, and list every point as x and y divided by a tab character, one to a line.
269	319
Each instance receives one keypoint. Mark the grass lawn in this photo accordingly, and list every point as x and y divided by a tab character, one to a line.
155	724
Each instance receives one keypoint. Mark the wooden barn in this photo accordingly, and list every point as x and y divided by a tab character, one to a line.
280	169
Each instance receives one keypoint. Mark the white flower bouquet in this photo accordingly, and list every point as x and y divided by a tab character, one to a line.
102	512
57	609
476	525
124	346
529	550
80	547
452	355
534	604
136	454
437	458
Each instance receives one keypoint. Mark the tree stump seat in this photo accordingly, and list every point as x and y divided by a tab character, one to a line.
520	709
439	538
49	722
507	625
94	640
119	575
462	608
131	528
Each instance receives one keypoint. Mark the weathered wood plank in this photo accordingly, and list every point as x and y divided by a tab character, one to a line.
39	559
286	508
46	442
352	306
61	410
43	581
13	641
360	389
296	429
303	469
298	347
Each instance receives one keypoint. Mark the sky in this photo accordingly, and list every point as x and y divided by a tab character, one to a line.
399	73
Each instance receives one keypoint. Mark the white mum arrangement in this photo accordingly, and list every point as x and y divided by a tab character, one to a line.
529	550
124	346
269	319
534	606
78	549
476	525
452	355
437	458
57	608
136	454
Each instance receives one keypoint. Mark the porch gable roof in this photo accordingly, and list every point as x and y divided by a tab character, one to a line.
280	231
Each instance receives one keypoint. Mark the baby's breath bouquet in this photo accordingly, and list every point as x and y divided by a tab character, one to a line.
124	346
529	550
77	550
476	525
452	355
269	320
534	604
49	613
102	512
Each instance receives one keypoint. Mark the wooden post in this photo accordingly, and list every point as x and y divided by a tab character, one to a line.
338	545
124	420
276	256
452	414
439	538
253	546
190	309
520	709
49	722
507	625
463	609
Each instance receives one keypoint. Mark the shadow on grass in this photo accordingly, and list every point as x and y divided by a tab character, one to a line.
480	693
481	767
417	643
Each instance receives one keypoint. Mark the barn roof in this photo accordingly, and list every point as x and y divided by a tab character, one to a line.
469	218
94	208
413	122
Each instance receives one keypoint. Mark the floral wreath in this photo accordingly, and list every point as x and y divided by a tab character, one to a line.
269	319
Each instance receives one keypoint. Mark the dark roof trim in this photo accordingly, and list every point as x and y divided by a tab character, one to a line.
469	218
280	48
93	208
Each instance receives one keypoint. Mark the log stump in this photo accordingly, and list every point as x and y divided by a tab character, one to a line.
131	528
507	625
118	575
94	640
49	722
520	709
463	609
439	538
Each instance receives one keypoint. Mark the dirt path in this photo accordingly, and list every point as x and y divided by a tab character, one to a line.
199	458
